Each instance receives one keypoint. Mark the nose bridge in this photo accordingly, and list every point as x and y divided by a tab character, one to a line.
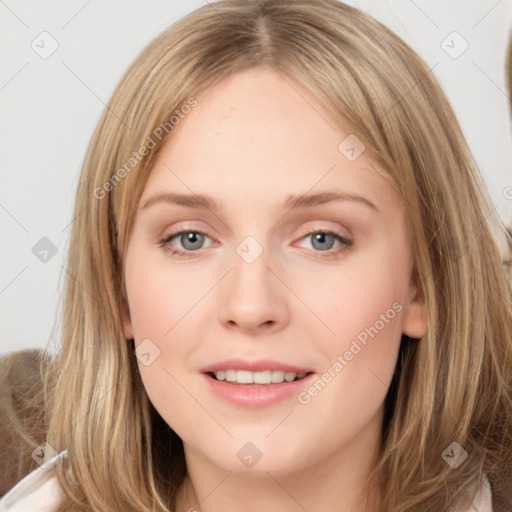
250	277
252	297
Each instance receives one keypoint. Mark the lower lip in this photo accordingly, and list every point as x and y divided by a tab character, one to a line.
257	395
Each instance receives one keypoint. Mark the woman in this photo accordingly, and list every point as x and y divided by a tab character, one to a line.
250	369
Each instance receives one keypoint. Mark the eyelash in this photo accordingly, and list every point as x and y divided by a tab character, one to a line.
347	244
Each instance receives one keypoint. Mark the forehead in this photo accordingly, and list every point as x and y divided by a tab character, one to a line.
260	132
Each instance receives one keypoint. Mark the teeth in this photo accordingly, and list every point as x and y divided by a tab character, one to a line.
277	376
244	377
231	375
264	377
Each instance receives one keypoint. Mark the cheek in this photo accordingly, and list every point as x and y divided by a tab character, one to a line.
161	311
159	298
363	309
353	299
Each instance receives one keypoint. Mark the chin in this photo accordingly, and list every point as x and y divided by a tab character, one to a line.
259	457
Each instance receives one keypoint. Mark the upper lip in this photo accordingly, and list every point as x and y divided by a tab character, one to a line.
253	366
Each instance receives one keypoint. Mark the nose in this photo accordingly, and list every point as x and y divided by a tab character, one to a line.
254	297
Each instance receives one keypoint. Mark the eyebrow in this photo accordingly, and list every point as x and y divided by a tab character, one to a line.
293	202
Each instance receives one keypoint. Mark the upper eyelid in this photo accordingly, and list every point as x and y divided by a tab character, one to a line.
309	231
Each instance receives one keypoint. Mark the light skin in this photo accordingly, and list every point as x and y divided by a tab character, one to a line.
252	141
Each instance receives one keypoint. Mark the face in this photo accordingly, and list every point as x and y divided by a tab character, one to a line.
231	294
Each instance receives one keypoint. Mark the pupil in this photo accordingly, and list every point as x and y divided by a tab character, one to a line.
321	238
189	238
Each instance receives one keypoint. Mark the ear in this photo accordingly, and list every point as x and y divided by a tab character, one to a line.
127	322
414	322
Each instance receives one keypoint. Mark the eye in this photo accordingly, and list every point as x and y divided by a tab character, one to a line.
191	241
324	240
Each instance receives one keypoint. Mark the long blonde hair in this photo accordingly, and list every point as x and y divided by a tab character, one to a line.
452	385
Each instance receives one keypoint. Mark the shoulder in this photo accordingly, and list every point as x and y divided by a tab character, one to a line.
39	491
483	499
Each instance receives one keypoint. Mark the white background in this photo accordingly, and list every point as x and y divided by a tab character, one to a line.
50	108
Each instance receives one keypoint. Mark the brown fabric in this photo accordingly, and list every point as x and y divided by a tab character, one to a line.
22	426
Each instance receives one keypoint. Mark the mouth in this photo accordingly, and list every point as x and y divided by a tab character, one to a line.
256	383
259	378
